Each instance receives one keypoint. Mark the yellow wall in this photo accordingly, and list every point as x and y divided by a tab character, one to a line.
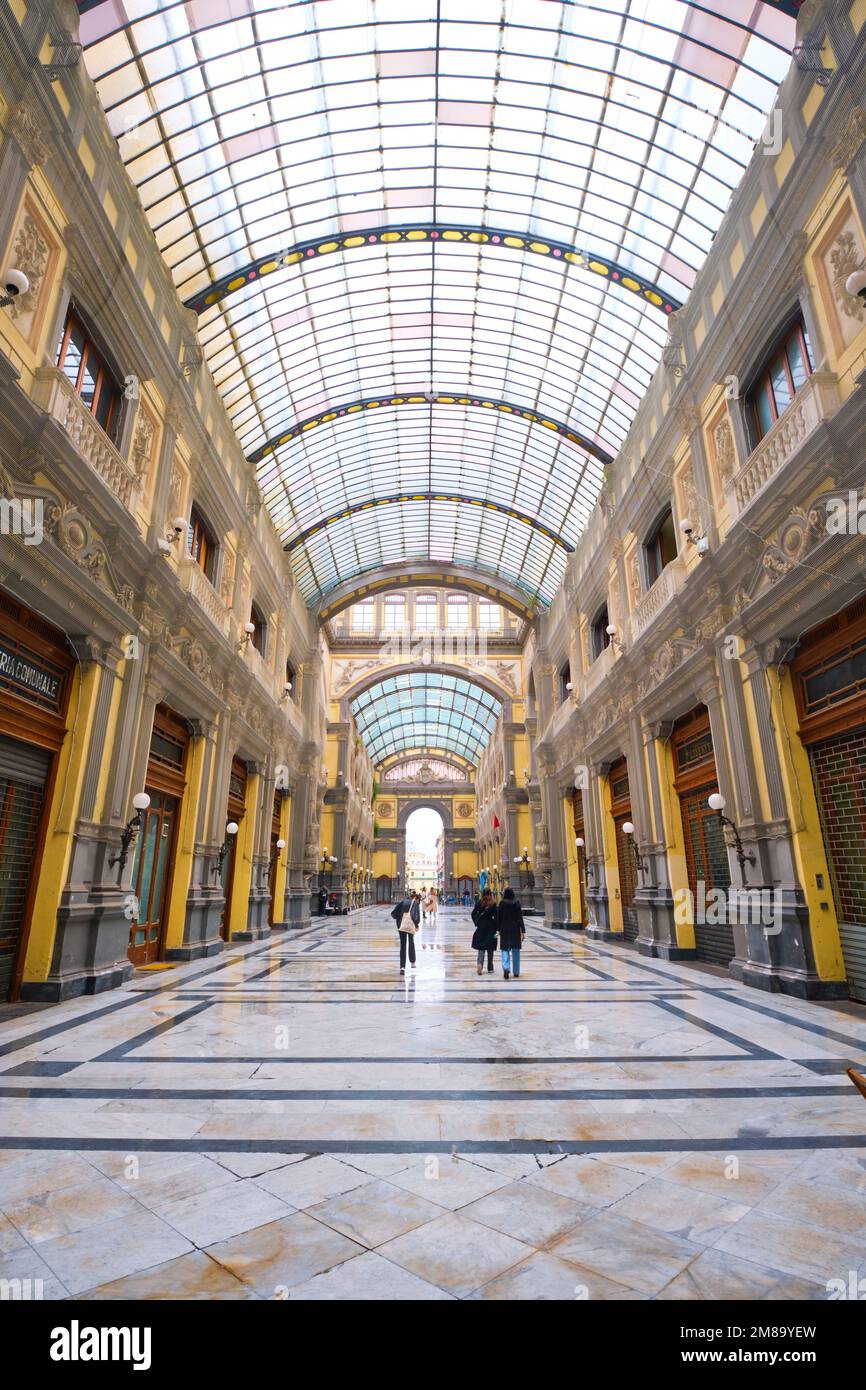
674	839
611	867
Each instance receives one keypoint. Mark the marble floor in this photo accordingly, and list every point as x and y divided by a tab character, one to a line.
292	1120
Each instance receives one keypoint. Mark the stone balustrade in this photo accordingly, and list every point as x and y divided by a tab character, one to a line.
55	394
816	401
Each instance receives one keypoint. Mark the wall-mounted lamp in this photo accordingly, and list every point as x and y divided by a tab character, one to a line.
700	543
179	527
231	831
588	866
15	283
611	631
249	630
287	691
140	803
716	802
279	846
856	283
628	829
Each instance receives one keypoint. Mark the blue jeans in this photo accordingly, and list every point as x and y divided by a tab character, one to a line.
511	961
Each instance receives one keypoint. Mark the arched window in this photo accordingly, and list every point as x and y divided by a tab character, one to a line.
660	547
458	611
426	612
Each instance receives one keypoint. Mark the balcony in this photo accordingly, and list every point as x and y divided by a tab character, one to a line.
259	667
816	401
657	598
53	392
598	671
196	583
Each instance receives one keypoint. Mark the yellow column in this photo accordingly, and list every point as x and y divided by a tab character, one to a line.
61	819
244	850
611	863
185	848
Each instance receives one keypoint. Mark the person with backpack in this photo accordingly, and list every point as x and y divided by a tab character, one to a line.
484	937
407	915
510	924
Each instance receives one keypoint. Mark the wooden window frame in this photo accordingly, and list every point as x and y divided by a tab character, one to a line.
598	632
653	550
202	533
762	384
259	636
104	371
830	639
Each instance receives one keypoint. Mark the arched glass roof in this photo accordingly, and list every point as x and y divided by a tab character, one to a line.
376	199
425	709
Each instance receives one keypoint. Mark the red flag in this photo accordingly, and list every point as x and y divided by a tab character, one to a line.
495	822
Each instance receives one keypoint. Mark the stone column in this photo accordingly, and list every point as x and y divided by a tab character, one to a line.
92	938
551	857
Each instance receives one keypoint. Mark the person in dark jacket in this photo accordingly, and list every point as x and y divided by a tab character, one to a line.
411	905
509	921
484	937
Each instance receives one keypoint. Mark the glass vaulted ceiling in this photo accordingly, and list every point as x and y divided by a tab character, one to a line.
433	245
425	709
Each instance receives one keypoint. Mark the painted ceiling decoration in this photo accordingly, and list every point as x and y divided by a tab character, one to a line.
377	200
420	709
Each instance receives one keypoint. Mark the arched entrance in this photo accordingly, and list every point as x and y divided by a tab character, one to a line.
425	849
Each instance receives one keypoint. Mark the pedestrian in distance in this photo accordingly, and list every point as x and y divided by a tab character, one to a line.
512	931
407	915
484	936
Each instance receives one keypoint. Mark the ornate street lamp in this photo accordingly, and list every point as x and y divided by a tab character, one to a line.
231	831
140	803
716	802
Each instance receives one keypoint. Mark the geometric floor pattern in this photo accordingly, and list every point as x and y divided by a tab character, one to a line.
294	1120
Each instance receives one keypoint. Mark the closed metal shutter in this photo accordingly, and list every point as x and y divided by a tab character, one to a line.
627	880
23	773
839	772
707	865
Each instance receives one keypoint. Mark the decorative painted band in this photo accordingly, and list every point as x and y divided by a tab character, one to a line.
497	237
303	536
454	398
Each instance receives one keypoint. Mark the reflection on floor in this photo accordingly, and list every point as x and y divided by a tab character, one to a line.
294	1120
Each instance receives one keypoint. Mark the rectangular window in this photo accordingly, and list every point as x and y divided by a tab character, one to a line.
88	373
364	615
394	613
661	548
201	544
788	366
426	612
489	616
458	612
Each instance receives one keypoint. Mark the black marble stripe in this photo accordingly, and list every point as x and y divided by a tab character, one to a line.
350	1093
748	1143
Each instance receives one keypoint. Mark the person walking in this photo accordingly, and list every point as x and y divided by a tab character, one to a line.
509	921
407	915
484	936
433	906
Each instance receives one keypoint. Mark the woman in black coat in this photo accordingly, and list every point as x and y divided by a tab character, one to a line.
484	938
509	921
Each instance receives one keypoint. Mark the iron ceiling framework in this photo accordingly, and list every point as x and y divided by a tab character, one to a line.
418	709
599	142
